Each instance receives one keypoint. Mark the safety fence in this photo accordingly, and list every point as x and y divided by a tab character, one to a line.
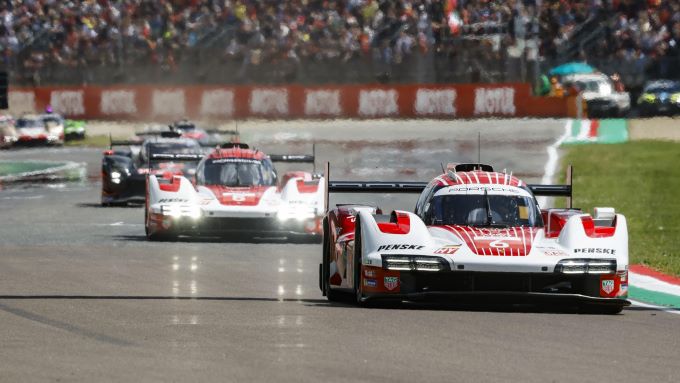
294	101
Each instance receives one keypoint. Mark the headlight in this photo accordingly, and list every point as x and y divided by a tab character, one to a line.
586	266
177	211
414	263
301	213
115	177
647	97
675	98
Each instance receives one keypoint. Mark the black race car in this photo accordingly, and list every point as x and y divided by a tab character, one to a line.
659	97
124	170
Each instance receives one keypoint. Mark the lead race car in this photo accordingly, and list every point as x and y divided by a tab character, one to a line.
475	233
236	190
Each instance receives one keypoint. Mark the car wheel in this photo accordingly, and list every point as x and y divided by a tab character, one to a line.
358	277
325	272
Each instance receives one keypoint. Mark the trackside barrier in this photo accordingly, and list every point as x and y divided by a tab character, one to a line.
142	102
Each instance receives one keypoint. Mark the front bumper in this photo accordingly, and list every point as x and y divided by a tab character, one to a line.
222	226
514	297
131	189
419	285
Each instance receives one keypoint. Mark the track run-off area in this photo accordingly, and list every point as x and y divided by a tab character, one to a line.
85	297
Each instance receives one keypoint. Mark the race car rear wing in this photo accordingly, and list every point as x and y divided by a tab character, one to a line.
296	158
175	157
417	187
556	190
367	186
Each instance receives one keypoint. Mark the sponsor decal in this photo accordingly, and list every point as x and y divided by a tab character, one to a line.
322	102
168	103
370	282
217	103
238	197
436	102
608	286
552	252
400	247
488	188
232	160
114	102
369	273
391	283
594	250
21	102
494	234
494	101
378	102
68	102
164	200
448	249
269	101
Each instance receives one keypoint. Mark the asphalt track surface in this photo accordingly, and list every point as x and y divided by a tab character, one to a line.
84	297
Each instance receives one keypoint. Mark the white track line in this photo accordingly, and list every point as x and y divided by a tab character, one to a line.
553	157
653	284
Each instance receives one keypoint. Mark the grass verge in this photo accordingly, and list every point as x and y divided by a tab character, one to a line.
641	180
100	141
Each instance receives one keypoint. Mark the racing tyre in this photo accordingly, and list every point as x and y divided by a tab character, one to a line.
325	272
358	277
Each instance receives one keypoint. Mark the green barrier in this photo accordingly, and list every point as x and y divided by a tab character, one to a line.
37	171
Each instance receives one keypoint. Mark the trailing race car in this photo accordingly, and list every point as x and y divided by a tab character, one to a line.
124	171
8	135
475	234
659	97
236	190
74	130
33	130
187	129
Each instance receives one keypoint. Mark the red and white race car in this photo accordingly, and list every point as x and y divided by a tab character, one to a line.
236	190
475	233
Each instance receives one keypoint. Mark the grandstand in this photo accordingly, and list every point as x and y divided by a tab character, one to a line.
346	41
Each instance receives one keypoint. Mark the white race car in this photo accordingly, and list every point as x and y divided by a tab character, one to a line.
236	190
475	234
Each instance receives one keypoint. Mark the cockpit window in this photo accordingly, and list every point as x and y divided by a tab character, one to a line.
187	147
233	172
483	210
29	123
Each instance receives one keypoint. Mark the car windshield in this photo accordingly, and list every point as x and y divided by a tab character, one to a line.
29	123
52	119
187	147
232	172
474	210
661	88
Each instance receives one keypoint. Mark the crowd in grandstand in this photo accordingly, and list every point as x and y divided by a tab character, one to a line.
82	33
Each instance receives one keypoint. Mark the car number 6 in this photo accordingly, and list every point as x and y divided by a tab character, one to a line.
499	244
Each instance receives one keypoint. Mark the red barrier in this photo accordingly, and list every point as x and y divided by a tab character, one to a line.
141	102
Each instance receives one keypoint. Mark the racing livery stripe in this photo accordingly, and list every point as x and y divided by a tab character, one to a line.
655	297
644	270
495	242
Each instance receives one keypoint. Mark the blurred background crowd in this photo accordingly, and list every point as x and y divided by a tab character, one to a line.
47	41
